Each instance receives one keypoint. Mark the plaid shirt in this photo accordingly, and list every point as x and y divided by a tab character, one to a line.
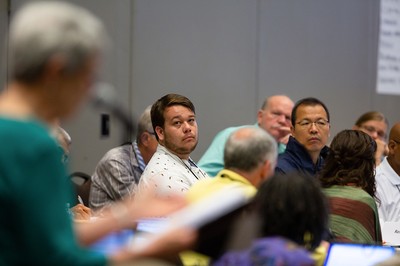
116	175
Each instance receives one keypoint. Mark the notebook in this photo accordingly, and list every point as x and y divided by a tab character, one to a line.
346	254
391	233
212	216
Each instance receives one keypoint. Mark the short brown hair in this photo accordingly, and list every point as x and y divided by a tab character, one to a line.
158	108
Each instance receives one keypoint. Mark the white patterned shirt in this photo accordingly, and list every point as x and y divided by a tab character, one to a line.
388	192
169	174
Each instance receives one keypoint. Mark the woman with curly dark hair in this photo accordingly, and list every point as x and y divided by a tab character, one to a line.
348	179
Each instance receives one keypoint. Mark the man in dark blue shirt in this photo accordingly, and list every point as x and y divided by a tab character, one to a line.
310	131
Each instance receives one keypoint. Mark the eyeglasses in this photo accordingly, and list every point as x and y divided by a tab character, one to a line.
320	123
372	130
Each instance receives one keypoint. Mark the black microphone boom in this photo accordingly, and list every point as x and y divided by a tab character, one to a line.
105	97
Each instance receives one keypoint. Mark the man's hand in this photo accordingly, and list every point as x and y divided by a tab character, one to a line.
381	151
285	133
81	212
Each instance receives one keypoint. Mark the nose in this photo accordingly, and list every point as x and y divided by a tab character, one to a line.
282	118
186	127
374	135
313	127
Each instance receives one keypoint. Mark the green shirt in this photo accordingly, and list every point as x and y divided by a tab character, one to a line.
35	228
353	215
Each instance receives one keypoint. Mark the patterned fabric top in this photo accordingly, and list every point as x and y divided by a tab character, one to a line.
169	174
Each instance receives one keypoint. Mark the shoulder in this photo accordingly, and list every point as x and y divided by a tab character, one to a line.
286	161
225	133
118	153
26	137
350	193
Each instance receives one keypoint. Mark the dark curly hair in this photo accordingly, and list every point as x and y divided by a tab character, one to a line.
351	160
293	206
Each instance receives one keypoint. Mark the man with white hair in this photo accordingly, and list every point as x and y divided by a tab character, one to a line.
250	156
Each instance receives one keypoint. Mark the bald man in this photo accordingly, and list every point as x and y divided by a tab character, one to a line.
274	117
388	180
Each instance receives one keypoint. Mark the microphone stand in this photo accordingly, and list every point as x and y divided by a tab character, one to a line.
105	97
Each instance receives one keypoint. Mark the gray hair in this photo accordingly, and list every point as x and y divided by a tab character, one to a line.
144	123
42	30
63	138
248	147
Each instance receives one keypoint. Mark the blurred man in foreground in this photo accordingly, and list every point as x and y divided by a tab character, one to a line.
54	51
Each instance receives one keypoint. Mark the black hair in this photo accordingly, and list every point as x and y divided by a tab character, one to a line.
293	206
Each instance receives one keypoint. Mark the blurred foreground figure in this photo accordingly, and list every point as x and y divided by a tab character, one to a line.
292	217
54	50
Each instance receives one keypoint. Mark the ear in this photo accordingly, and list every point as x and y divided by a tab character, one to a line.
292	130
144	138
54	68
266	171
260	114
269	169
160	133
391	145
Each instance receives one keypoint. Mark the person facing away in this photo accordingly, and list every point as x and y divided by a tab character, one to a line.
249	158
348	179
117	174
171	170
273	116
388	179
375	124
54	51
306	148
292	216
250	155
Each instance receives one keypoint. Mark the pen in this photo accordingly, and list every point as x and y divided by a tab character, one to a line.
80	200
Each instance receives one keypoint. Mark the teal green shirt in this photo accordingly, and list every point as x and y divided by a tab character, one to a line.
212	160
35	228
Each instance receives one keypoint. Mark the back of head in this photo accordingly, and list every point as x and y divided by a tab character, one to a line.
144	123
43	30
310	101
395	132
351	160
248	147
292	206
158	108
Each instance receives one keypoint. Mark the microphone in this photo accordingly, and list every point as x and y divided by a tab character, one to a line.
105	96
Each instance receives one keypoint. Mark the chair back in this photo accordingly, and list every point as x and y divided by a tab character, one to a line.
82	183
